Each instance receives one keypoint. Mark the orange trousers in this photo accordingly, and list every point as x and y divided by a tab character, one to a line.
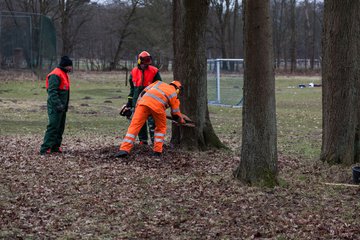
140	116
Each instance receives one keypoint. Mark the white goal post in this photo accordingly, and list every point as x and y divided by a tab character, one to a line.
225	81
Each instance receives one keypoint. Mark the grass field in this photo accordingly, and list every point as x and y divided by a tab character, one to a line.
87	194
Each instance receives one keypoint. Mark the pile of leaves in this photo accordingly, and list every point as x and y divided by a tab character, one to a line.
86	193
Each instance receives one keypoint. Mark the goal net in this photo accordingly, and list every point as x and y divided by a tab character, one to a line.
225	81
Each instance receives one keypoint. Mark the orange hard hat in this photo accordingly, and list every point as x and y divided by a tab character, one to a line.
176	83
144	58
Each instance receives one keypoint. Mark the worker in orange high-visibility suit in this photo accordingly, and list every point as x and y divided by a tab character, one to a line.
153	101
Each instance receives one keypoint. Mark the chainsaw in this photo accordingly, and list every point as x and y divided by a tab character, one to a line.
188	121
126	112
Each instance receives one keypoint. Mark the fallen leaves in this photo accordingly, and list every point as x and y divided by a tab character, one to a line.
87	193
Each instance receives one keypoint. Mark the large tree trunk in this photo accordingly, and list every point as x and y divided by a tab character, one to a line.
190	69
177	36
340	75
258	165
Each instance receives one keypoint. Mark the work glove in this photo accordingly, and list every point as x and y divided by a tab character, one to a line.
178	119
60	108
126	111
181	120
129	103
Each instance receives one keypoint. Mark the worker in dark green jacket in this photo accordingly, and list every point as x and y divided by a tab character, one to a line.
58	89
142	76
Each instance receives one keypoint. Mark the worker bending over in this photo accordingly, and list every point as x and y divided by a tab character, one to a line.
153	101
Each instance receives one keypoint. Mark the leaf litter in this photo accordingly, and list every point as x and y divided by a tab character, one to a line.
86	193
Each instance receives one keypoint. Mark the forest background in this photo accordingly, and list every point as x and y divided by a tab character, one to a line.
99	34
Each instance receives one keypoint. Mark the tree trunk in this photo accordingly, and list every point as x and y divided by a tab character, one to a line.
306	32
340	75
178	9
279	32
258	165
190	69
233	37
312	55
293	37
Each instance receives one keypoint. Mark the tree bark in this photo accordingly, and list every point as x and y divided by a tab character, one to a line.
178	9
340	76
293	36
190	69
258	165
312	55
306	32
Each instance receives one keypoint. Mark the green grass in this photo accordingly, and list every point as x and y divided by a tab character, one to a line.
231	88
97	97
87	193
298	117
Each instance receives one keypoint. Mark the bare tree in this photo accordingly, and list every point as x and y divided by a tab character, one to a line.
340	75
307	31
73	16
222	11
190	52
313	38
234	29
293	36
279	29
43	7
258	163
123	31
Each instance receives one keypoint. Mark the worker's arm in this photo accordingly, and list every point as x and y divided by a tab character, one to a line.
53	95
131	94
175	110
157	77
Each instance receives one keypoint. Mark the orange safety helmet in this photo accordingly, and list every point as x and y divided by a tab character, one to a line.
177	85
144	58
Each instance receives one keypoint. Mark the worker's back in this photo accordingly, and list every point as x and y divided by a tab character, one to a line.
159	96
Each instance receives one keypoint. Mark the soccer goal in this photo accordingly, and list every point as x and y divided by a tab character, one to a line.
225	81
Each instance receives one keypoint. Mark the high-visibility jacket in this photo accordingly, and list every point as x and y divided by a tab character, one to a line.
159	96
143	77
139	79
58	88
64	79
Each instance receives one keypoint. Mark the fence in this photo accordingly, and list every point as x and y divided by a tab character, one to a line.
27	41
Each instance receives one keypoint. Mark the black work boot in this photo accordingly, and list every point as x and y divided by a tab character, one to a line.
143	142
121	154
45	152
156	154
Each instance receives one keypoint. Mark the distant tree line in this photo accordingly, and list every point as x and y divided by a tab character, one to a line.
106	33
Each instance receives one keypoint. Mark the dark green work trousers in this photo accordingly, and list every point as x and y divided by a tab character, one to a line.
143	135
54	130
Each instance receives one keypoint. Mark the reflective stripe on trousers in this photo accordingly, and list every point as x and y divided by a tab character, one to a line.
139	118
142	112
